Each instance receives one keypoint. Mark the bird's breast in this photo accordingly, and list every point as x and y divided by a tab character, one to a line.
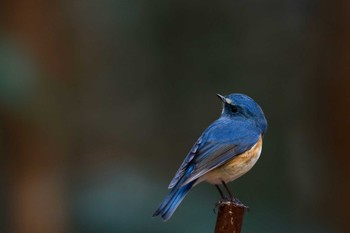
236	167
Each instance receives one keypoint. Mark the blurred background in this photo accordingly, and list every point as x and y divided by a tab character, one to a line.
101	100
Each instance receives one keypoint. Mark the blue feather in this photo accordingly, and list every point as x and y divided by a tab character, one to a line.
174	198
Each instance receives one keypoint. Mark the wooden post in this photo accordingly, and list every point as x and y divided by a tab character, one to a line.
230	217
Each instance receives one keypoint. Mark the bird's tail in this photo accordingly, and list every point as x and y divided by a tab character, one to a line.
172	201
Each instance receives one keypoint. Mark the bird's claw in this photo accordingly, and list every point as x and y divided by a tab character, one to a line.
216	206
239	203
234	200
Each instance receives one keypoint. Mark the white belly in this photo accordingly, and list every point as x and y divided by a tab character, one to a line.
235	168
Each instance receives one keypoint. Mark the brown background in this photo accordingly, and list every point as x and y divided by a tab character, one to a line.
101	100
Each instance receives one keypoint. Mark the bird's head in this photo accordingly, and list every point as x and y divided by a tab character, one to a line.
242	106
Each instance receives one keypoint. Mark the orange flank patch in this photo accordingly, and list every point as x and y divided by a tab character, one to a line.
235	168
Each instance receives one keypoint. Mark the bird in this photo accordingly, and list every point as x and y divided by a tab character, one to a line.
225	151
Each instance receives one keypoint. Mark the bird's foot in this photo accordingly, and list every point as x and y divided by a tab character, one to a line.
222	200
231	200
216	206
226	199
239	203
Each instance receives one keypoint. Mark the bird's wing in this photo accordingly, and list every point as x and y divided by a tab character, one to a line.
221	153
219	143
180	172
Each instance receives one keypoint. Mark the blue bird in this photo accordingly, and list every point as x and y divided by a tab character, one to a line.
226	150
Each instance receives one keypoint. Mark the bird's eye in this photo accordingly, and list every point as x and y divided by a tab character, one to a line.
234	108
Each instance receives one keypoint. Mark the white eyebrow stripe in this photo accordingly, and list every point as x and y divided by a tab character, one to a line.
228	101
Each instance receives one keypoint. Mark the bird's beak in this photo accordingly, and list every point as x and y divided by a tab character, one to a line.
222	98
